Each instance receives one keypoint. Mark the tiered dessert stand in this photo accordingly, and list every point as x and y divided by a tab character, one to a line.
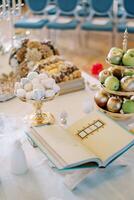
124	94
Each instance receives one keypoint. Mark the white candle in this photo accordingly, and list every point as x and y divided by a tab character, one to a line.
3	6
14	5
18	159
125	40
19	6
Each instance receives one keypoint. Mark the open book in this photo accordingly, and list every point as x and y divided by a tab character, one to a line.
94	138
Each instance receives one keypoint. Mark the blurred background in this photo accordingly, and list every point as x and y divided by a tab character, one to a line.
82	30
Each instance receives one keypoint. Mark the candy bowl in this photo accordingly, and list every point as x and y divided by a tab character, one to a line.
37	89
38	117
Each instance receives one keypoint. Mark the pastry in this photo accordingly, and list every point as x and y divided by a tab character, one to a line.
33	55
33	44
59	69
20	55
24	58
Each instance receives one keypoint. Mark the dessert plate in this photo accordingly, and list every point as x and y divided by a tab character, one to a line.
113	65
119	93
117	116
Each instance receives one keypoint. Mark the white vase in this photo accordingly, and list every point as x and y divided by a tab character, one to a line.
18	159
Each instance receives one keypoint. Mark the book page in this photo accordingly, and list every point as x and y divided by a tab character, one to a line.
101	135
63	144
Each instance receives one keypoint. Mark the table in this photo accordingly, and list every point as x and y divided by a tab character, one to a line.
41	182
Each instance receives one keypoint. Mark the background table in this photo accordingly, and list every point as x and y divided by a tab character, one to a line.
116	182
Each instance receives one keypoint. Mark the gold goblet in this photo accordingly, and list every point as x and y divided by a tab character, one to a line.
38	117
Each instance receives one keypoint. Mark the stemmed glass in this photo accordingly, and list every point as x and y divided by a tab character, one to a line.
9	11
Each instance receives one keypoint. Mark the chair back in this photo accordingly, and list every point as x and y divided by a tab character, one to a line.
67	6
129	7
101	6
36	6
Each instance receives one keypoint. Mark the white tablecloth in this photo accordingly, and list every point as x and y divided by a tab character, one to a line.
116	182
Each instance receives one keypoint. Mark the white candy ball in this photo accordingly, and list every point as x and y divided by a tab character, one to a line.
48	83
35	81
38	94
32	75
43	82
50	93
56	88
28	87
17	86
21	93
38	86
29	95
24	81
43	76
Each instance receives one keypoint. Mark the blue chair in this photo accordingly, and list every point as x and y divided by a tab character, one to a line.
67	7
126	19
82	10
101	9
100	18
37	8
